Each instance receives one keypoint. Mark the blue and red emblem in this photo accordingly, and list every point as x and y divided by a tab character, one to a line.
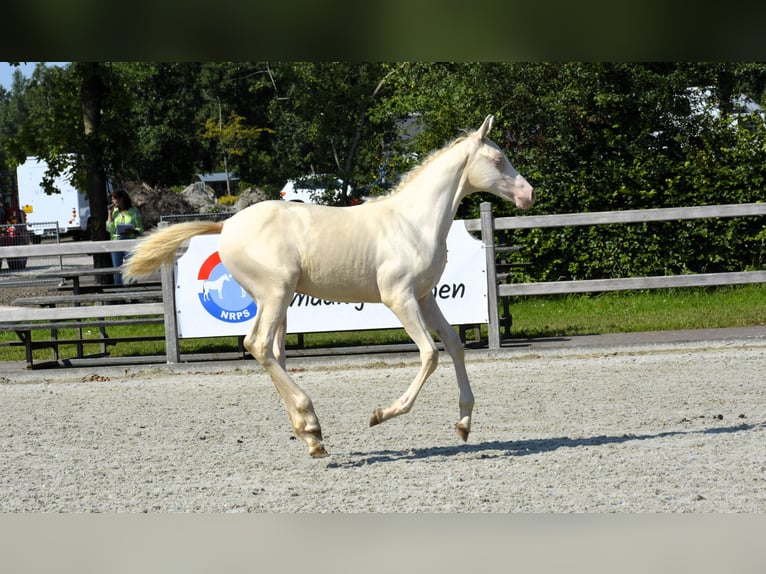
221	295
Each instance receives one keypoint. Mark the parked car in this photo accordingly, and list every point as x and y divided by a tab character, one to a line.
14	235
321	189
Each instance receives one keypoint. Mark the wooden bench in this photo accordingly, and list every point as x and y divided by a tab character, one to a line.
76	276
84	295
504	274
143	296
123	296
80	302
25	320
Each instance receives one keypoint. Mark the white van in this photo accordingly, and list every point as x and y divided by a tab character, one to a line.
67	211
310	189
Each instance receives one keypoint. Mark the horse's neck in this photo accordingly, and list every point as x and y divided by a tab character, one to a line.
431	199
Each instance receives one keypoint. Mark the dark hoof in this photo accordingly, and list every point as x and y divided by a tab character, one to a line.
318	452
462	432
376	418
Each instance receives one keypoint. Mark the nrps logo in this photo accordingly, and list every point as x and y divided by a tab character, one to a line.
221	295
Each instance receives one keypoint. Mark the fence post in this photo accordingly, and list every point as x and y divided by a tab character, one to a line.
488	239
167	276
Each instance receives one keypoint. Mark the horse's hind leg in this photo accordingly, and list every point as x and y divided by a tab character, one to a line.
436	321
266	334
279	345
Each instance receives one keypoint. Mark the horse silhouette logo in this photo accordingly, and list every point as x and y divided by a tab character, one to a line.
216	285
220	295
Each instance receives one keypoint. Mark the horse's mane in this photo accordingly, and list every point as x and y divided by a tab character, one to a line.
415	171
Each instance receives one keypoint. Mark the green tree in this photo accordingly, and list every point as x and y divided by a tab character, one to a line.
165	100
599	137
171	104
58	117
326	124
92	98
247	90
233	137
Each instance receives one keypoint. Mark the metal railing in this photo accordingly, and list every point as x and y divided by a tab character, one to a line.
21	271
180	218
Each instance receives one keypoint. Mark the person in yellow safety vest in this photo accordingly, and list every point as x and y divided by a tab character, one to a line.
123	221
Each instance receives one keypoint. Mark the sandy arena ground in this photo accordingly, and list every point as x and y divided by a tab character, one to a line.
662	427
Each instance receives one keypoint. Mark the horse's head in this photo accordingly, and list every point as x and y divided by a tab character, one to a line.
489	170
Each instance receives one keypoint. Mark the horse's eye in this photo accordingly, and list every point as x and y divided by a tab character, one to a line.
498	161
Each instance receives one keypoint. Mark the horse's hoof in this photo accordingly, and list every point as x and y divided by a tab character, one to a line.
462	431
317	451
376	418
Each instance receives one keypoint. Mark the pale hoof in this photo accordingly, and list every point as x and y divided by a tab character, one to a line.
462	431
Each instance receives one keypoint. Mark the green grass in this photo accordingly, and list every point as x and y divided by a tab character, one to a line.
533	317
658	310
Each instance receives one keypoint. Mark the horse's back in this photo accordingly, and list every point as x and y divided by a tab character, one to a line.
329	252
274	223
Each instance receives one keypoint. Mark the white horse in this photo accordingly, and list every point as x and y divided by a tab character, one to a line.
216	285
391	250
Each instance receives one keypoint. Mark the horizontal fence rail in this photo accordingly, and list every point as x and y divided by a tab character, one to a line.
487	225
628	283
180	218
69	248
627	216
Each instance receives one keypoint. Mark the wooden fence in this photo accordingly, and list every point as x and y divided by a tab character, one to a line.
487	225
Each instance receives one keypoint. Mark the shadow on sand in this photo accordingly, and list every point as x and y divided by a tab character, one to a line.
500	449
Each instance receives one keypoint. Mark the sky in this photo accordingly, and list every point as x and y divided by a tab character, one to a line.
6	71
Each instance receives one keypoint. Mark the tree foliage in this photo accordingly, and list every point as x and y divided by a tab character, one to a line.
588	136
325	124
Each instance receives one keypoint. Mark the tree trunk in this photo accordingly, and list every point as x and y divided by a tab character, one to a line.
351	156
91	97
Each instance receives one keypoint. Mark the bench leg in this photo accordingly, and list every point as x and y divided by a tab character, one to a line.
104	337
507	319
26	338
464	329
54	347
80	349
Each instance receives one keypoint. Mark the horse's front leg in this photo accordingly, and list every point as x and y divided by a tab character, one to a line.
435	320
409	313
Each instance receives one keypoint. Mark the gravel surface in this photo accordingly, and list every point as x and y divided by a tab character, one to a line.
652	428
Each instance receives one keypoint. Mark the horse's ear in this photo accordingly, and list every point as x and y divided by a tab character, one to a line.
486	126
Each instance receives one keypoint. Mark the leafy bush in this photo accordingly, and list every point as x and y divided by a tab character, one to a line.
228	200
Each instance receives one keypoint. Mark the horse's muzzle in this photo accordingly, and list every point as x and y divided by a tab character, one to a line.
525	198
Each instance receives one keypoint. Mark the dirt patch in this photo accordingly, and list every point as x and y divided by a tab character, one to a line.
8	294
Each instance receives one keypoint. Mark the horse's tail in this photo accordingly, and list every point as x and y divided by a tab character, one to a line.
160	246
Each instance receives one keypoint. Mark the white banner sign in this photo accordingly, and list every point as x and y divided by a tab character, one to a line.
210	303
